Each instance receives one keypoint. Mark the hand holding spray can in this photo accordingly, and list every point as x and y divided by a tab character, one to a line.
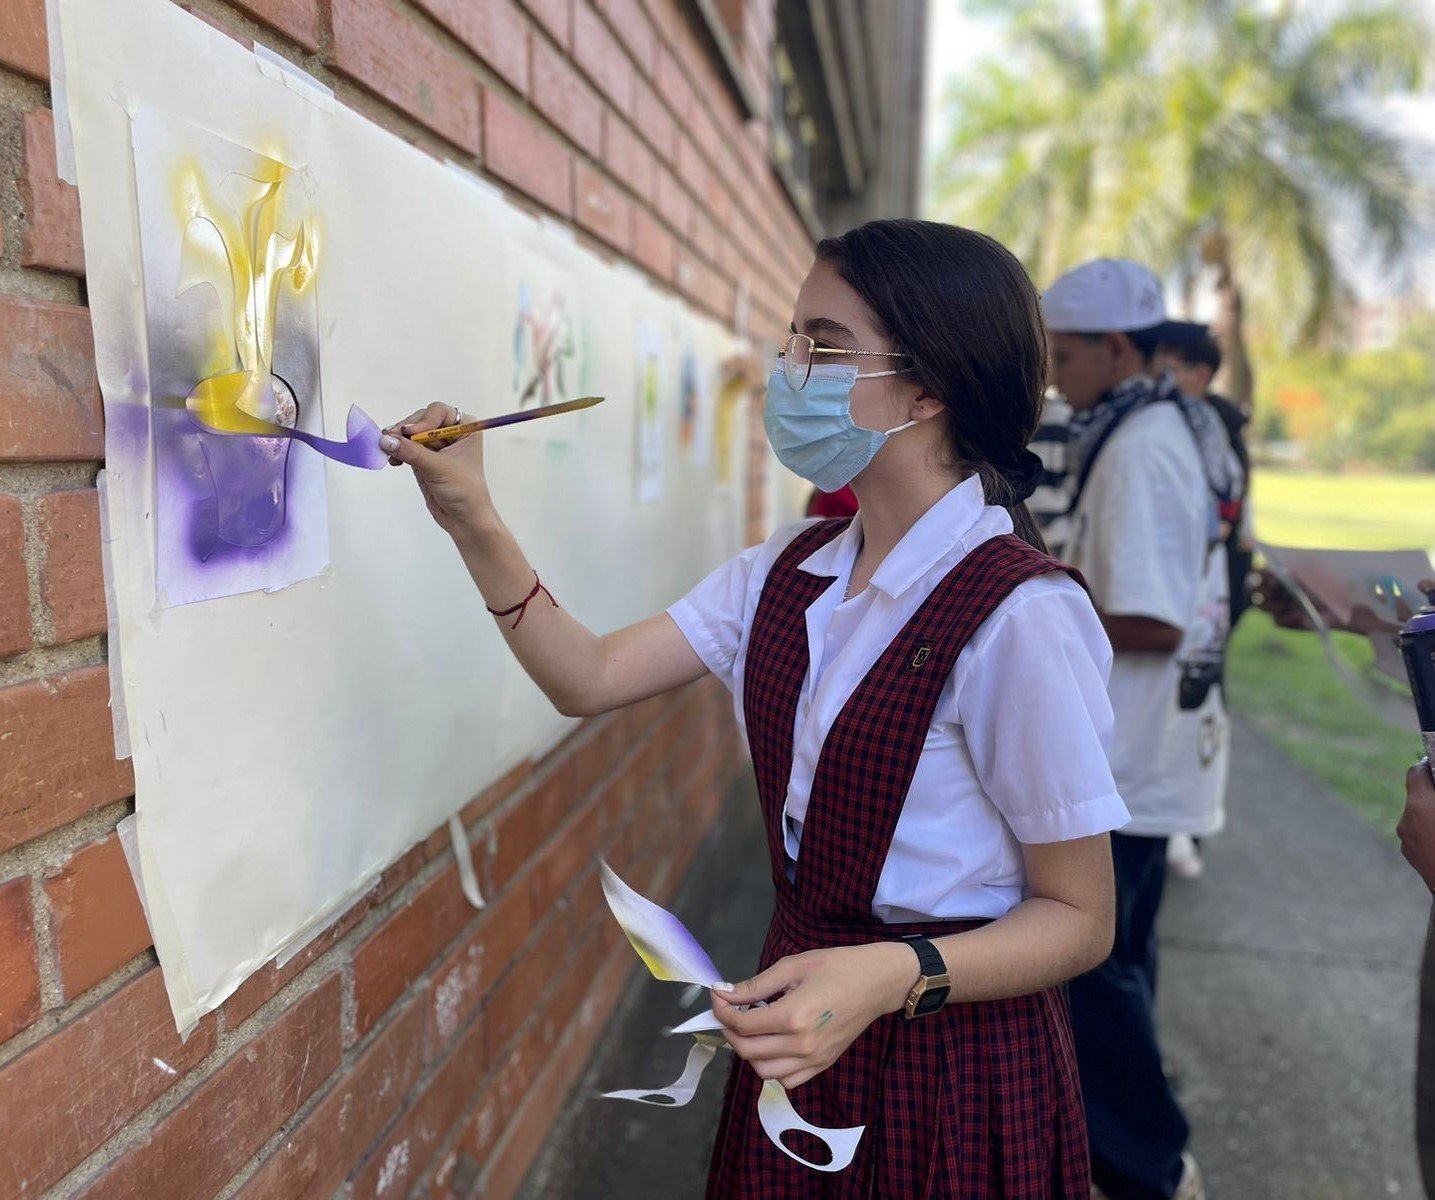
1417	645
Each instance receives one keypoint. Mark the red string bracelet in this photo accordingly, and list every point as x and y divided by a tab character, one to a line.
522	609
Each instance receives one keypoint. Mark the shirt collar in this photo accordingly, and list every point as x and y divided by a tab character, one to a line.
940	528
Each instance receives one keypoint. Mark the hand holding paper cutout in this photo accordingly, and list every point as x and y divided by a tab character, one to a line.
672	953
819	1004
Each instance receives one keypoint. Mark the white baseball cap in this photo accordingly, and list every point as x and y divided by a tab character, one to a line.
1112	295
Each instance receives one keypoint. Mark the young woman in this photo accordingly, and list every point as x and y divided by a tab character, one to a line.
924	697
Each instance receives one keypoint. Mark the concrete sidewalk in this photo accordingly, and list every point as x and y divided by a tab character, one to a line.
1287	1007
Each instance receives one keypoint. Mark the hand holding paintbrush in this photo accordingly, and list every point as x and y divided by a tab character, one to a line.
446	452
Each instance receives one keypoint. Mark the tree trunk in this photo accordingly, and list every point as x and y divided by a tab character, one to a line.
1237	378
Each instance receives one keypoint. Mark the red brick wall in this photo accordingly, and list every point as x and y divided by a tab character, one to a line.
417	1044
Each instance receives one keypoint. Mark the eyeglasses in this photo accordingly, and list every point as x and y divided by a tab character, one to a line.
797	358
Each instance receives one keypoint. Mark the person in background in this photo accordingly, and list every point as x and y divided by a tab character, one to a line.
841	503
1145	466
1050	500
1417	843
1192	364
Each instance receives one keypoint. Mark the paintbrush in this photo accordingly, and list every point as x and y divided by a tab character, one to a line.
452	433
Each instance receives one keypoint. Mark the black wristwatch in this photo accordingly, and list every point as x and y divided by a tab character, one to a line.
929	993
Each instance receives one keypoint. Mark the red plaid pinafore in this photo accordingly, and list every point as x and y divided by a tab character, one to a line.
978	1100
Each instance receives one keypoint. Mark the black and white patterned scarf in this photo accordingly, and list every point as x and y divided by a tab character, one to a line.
1090	429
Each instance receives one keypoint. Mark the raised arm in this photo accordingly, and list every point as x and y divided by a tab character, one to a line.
580	672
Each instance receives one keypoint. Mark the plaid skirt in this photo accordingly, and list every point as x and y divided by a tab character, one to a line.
978	1101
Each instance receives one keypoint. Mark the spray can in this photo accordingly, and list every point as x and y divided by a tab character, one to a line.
1417	645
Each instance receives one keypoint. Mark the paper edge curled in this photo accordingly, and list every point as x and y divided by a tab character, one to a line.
773	1102
681	1090
463	855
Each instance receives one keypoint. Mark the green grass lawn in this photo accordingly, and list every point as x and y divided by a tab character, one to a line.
1279	679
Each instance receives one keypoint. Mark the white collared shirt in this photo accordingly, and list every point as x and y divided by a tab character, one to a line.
1017	747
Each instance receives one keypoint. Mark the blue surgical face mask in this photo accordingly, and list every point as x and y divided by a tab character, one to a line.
812	431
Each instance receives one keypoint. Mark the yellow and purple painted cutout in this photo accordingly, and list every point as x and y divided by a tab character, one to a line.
669	950
230	245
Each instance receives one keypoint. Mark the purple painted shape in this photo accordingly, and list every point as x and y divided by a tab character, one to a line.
360	450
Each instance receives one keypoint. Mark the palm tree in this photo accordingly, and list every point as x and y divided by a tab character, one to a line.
1233	136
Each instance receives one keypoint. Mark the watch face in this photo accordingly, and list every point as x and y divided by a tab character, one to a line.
931	1000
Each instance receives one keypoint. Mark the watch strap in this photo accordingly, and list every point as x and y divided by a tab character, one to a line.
928	956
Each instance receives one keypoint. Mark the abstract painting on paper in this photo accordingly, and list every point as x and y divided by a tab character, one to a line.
546	327
230	247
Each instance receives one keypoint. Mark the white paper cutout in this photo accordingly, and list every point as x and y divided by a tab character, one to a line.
681	1090
777	1115
663	942
704	1022
672	953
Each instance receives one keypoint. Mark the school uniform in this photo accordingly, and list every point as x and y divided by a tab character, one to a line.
906	741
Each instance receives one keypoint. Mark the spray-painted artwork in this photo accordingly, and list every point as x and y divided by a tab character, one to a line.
231	251
649	422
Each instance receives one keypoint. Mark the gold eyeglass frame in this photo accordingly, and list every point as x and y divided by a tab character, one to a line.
788	361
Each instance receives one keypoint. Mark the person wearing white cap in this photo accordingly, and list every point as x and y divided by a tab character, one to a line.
1145	473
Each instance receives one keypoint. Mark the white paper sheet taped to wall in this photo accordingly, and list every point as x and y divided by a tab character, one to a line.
276	771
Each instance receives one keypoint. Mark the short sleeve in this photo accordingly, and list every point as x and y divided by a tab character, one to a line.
1145	527
711	615
1030	693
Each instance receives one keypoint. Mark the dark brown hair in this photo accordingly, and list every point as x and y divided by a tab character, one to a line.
961	307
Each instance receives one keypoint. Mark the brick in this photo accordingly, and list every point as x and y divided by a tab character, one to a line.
570	858
301	20
601	208
197	1147
525	826
597	51
71	580
23	43
556	16
508	1162
14	580
57	757
266	982
95	915
71	1092
402	948
512	1001
19	964
634	29
493	795
627	158
317	1156
654	121
493	29
391	55
52	207
674	204
408	1149
673	85
49	397
462	981
560	94
518	152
